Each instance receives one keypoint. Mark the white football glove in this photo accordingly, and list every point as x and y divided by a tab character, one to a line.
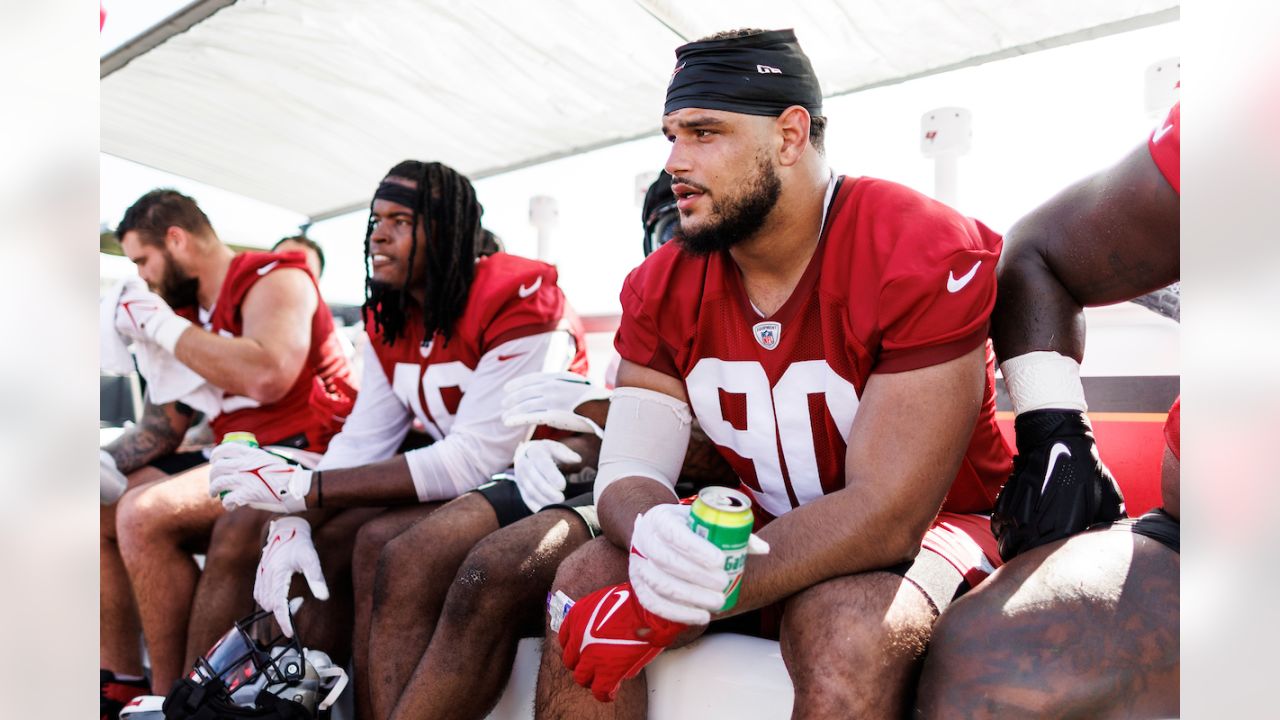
676	573
538	473
243	475
549	398
289	550
111	481
144	315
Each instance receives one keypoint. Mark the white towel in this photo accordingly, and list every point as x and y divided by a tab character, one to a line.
167	378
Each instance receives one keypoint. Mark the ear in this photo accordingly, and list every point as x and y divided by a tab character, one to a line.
175	238
793	129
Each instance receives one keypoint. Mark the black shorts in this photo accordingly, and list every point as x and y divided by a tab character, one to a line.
504	496
1157	525
940	582
175	463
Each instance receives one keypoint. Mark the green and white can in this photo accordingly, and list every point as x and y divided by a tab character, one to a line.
723	516
240	436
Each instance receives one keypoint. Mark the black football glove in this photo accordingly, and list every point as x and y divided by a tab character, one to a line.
1059	485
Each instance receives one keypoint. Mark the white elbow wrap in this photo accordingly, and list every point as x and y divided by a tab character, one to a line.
646	435
1041	380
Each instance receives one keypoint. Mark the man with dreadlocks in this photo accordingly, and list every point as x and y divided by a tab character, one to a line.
451	320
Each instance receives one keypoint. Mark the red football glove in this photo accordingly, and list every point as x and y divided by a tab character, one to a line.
601	642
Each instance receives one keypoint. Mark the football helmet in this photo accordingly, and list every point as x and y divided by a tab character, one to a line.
659	214
242	677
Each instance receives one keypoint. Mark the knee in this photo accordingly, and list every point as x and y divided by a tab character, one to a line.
401	566
854	637
488	582
237	536
139	520
590	567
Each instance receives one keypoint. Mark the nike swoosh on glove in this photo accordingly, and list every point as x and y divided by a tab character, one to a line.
144	315
1059	485
607	637
244	475
549	398
289	550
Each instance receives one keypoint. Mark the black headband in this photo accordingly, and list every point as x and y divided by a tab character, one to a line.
399	194
761	74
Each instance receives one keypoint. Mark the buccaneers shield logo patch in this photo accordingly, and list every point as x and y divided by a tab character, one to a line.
767	334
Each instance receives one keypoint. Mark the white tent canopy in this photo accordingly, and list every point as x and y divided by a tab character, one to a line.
299	103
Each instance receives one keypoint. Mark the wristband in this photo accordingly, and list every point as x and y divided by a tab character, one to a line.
168	330
1043	380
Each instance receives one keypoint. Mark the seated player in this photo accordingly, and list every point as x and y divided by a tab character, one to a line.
253	324
308	247
1089	622
830	335
451	320
430	650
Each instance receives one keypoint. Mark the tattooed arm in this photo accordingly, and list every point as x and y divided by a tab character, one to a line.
156	435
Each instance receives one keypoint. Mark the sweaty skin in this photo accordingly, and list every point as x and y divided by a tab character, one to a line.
1085	627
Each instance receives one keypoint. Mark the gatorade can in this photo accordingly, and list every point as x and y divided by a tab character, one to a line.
723	516
244	438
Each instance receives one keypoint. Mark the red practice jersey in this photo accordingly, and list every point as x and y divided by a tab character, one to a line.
898	282
316	405
1165	145
511	297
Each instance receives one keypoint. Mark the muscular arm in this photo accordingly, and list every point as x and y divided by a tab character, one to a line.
265	361
1110	237
904	450
157	434
629	496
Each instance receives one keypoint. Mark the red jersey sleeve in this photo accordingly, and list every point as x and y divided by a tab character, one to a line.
641	338
520	298
1165	145
938	285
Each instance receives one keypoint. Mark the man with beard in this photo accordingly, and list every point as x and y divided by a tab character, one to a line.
1113	590
830	335
451	320
254	325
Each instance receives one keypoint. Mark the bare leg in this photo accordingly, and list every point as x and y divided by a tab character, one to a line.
370	539
853	646
415	571
500	589
120	637
327	625
1083	628
593	566
224	593
157	525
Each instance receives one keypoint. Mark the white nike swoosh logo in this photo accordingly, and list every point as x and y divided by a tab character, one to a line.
525	292
955	284
589	639
1057	451
268	267
1161	132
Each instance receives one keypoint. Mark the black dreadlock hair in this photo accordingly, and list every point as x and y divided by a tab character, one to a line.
446	209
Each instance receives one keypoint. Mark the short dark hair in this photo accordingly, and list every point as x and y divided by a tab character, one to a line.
157	211
817	123
303	240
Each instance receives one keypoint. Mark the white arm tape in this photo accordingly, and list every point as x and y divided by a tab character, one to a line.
647	435
1041	380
